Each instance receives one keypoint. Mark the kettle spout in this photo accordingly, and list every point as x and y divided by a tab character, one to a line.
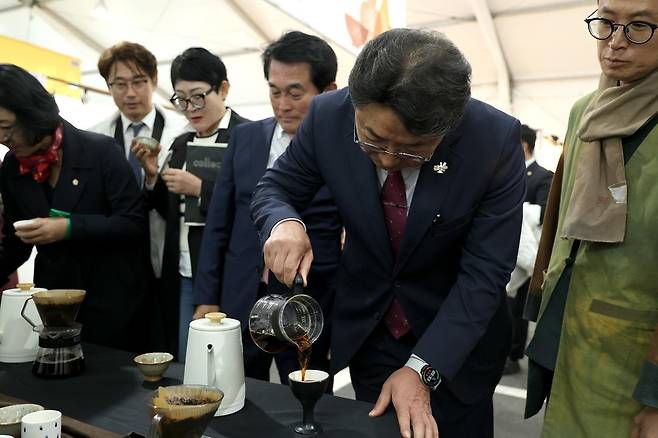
211	365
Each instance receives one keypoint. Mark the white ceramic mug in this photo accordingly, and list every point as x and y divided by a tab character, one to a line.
42	424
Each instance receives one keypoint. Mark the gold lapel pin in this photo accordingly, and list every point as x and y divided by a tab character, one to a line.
75	181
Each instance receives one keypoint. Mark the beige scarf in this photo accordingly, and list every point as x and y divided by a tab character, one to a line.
597	209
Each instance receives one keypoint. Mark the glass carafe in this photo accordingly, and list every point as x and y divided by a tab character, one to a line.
277	322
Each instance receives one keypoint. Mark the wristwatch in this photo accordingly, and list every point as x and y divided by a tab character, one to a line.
429	376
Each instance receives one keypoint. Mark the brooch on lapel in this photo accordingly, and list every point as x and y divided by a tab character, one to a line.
441	167
75	181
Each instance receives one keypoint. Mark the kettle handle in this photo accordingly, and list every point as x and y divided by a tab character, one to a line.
25	317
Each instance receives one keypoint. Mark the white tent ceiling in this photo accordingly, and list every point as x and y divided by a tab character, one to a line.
540	49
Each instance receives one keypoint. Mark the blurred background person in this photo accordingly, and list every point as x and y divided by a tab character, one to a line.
231	274
200	85
86	209
538	183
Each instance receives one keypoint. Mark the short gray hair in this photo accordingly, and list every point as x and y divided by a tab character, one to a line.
419	74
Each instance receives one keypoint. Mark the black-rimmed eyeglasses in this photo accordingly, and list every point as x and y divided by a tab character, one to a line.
372	148
637	32
198	101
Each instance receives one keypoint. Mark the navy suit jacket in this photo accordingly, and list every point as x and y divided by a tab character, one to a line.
230	263
539	183
459	246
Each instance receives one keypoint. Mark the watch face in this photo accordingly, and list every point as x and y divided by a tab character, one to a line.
430	376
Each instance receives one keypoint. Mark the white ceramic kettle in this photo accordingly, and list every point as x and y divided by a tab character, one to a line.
214	358
18	343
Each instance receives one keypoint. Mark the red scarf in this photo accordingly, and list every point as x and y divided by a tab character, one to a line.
40	163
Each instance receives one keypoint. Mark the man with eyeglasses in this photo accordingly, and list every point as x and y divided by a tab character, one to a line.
230	275
594	354
430	186
131	74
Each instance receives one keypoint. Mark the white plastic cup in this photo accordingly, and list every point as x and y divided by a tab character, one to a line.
42	424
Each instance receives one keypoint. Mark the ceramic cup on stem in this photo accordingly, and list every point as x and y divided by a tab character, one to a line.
308	392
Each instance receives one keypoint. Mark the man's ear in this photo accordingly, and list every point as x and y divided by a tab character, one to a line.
223	89
154	80
330	87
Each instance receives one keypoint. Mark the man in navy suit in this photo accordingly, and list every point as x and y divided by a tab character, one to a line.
230	272
430	185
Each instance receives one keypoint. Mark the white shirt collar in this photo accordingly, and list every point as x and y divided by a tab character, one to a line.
148	120
530	161
279	133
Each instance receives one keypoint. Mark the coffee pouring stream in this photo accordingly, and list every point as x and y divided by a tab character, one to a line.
214	358
18	342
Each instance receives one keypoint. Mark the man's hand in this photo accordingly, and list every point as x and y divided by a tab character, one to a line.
288	251
411	400
148	159
182	182
645	424
44	230
202	309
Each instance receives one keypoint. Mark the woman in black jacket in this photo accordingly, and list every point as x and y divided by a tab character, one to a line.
201	85
87	217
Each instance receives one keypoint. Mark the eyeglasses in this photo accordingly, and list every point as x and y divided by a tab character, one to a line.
198	101
637	32
9	131
369	147
122	86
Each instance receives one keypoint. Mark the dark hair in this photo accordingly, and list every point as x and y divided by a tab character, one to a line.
198	64
37	114
298	47
419	74
529	136
130	53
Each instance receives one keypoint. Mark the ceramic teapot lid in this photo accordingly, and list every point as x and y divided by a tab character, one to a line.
215	322
23	289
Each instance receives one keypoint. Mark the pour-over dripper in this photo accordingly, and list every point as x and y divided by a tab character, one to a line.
58	307
183	411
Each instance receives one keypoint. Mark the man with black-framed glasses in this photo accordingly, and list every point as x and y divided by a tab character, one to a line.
131	73
594	354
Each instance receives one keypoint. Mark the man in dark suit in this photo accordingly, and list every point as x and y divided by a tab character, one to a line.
430	185
538	181
230	272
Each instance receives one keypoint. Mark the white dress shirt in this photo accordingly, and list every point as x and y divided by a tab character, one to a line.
278	145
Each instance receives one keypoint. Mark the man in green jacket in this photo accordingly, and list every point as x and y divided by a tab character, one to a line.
593	354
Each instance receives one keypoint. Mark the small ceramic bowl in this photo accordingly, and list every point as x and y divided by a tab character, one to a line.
153	365
10	418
